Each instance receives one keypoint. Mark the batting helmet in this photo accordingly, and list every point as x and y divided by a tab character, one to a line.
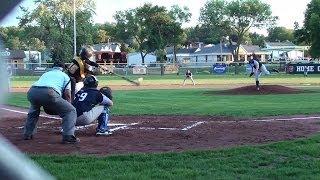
86	52
106	91
90	82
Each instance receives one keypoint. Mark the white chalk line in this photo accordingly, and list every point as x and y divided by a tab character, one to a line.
122	126
153	128
267	120
21	112
127	126
192	126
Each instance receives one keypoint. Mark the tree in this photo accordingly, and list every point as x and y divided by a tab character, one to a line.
203	33
236	17
311	28
280	34
54	20
257	39
151	28
179	36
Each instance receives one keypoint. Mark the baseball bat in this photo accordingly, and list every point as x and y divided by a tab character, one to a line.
118	75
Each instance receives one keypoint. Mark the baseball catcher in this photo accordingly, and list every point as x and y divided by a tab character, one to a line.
93	104
79	68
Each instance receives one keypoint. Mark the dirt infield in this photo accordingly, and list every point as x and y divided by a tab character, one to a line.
140	134
264	89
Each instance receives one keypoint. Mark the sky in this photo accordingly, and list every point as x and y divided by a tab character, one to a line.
288	11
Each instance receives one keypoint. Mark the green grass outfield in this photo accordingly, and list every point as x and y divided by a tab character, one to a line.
298	159
197	102
284	79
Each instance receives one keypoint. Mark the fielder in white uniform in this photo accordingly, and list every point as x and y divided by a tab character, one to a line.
257	69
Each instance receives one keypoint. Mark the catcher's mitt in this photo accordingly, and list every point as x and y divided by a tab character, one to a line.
106	91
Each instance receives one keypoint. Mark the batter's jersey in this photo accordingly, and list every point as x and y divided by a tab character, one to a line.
86	99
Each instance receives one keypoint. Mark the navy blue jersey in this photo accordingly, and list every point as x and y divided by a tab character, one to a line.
86	99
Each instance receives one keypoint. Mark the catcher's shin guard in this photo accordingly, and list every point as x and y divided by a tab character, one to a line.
103	121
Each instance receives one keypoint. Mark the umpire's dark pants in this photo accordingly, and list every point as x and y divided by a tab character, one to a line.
48	97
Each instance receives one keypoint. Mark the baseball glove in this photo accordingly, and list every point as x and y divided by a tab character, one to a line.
251	74
106	91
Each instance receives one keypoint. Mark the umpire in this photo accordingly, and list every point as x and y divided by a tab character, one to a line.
48	92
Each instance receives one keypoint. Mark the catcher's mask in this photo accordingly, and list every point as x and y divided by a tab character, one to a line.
86	52
90	82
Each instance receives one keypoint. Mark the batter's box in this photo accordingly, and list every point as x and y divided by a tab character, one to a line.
178	126
55	126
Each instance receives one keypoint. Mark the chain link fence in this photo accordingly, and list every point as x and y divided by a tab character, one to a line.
36	69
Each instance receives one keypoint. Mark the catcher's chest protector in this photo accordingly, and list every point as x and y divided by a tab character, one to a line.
77	68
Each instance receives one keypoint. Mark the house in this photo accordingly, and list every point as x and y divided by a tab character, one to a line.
135	59
32	59
109	53
184	55
210	54
213	54
285	51
247	50
14	57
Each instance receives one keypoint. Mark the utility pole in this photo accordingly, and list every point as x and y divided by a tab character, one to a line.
74	29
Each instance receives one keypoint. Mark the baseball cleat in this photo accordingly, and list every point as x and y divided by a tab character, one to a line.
105	133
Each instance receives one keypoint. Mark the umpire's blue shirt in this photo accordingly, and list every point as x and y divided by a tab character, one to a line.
55	79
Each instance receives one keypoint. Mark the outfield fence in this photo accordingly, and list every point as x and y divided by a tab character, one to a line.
36	69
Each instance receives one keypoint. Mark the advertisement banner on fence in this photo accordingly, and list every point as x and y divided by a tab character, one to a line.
219	68
170	69
300	68
139	70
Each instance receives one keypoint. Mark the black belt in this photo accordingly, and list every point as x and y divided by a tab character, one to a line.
44	87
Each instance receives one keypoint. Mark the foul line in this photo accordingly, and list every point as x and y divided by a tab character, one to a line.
192	126
21	112
127	126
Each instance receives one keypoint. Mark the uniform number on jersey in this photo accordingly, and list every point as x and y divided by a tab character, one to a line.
83	96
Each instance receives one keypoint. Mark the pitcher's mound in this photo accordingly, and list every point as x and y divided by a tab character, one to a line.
264	89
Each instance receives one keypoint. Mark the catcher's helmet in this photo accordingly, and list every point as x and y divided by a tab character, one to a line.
86	52
90	82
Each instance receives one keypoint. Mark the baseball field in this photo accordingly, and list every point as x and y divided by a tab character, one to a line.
219	129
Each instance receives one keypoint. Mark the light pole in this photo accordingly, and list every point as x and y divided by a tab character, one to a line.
74	29
221	48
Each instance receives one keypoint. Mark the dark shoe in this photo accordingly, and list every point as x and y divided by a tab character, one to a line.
27	137
70	139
